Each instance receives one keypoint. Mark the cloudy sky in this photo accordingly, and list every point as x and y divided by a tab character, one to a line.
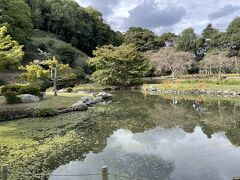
166	15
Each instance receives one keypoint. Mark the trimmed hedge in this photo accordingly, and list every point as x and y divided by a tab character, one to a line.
21	89
33	90
11	91
11	88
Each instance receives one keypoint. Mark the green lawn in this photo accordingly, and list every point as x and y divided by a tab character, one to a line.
62	100
93	87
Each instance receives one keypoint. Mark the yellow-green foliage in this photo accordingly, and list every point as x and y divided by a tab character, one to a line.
11	52
41	69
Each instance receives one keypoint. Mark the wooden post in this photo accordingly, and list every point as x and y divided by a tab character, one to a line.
236	178
104	173
5	171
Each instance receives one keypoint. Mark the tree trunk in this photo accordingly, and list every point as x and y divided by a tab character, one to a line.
55	87
173	75
236	64
54	75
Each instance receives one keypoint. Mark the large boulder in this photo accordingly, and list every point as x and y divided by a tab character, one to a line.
98	100
79	106
87	100
104	95
28	98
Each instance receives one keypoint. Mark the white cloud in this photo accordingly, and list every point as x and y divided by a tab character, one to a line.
164	15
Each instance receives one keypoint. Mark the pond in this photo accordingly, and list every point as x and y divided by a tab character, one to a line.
136	135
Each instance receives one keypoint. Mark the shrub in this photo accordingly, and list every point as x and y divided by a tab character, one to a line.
11	97
11	88
67	54
80	72
33	90
11	91
21	89
46	112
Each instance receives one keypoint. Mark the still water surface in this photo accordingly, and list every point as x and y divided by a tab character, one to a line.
137	135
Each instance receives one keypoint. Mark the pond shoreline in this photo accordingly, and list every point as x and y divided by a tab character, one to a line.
82	105
223	93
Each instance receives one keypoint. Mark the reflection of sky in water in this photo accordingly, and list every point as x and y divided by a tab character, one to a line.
161	154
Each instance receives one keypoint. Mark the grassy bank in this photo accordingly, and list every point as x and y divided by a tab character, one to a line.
196	84
62	100
93	87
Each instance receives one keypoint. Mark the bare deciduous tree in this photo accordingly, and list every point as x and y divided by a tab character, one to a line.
169	59
218	62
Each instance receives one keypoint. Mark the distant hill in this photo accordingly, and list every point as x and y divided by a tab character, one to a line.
44	45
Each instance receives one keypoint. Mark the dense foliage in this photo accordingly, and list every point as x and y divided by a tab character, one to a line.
143	39
71	33
121	65
186	41
11	53
50	69
15	14
84	28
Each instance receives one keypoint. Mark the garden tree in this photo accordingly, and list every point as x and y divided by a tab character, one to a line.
15	14
50	68
221	41
236	64
102	34
186	41
143	39
121	65
203	43
58	71
202	46
167	59
167	39
209	32
35	72
11	52
234	26
216	61
117	38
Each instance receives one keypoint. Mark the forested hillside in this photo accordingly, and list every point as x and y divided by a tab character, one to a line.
83	28
72	33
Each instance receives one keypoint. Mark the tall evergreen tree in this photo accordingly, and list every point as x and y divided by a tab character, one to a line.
209	32
186	41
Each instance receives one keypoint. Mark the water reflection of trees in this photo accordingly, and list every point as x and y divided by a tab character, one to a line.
69	137
211	116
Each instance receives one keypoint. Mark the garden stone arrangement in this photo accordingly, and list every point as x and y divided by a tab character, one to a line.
82	105
86	102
